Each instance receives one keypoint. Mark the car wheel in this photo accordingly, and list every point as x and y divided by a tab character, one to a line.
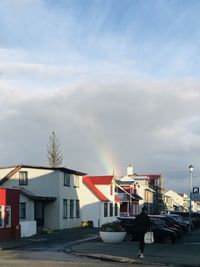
167	240
128	237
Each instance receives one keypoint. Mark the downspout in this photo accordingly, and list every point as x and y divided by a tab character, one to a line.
99	219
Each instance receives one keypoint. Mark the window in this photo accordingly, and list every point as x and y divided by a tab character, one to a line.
71	208
66	179
77	208
8	216
111	209
23	178
1	216
76	181
105	209
116	209
64	208
22	210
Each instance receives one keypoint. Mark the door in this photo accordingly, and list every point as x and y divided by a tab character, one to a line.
39	213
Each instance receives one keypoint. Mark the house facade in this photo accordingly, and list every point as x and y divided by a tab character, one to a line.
156	183
60	198
176	202
47	195
135	193
9	214
99	203
127	192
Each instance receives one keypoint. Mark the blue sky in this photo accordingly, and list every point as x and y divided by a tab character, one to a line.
158	39
121	75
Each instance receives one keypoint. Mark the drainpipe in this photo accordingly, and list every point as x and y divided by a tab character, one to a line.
99	219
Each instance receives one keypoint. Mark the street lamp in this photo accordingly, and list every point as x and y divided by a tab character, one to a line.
191	168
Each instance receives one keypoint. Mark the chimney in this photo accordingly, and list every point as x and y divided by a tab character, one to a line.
130	170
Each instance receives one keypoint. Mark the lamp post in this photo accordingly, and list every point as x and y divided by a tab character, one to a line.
191	168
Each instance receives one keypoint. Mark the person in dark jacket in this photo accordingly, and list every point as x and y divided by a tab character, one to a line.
142	225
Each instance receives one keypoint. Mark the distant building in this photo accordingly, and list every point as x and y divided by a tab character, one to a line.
176	201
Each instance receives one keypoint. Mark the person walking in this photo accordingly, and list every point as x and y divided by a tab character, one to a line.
142	225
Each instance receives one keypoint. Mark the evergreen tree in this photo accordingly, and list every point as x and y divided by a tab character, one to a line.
54	154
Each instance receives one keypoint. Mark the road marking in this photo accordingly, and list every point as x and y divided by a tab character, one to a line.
192	243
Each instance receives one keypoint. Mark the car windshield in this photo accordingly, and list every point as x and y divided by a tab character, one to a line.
157	222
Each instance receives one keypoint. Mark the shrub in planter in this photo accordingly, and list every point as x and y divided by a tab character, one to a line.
112	233
111	227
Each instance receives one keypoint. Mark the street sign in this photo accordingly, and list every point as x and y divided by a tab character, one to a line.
195	190
195	197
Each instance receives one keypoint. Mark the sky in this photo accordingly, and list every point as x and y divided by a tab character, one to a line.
117	81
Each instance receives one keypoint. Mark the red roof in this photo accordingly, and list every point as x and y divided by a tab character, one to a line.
101	180
117	199
91	181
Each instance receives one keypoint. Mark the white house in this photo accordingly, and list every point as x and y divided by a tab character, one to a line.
48	196
98	201
60	198
175	201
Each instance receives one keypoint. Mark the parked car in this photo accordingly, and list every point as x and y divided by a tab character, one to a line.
195	217
161	234
179	219
128	224
169	224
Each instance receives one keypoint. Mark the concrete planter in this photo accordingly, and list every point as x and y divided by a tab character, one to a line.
112	237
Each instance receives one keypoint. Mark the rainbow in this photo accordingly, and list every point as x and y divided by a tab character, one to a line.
108	159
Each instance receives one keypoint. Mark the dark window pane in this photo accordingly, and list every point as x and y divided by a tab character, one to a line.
22	210
23	178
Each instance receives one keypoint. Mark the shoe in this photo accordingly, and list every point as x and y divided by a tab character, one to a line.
141	255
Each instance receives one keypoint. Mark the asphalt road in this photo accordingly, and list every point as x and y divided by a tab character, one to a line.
47	251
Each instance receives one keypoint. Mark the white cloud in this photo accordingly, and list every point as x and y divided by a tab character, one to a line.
140	125
109	79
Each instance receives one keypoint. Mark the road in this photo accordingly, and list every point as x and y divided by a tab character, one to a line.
47	251
49	257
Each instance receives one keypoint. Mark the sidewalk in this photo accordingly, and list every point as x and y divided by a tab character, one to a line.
69	236
185	253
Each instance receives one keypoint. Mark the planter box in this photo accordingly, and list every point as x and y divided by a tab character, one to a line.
112	237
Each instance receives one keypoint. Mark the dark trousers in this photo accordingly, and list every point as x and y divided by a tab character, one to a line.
141	240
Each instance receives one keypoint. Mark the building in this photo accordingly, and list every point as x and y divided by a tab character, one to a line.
9	214
48	195
134	193
176	201
99	204
156	183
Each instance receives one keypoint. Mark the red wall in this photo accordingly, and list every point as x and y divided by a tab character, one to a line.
10	197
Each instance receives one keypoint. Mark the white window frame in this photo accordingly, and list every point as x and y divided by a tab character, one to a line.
77	208
105	209
2	216
76	181
8	212
67	179
65	208
71	208
111	209
23	178
24	210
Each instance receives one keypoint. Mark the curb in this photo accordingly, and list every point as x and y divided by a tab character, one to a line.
112	258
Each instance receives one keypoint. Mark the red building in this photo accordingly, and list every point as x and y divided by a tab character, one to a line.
9	214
